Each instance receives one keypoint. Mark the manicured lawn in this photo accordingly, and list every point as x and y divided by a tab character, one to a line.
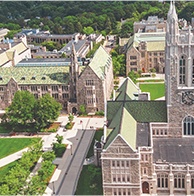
11	145
97	136
156	90
90	181
4	170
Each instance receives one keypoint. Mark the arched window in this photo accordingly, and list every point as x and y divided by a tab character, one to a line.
182	63
179	181
188	125
162	180
193	72
192	181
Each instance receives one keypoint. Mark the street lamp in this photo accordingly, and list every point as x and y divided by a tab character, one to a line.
53	187
71	149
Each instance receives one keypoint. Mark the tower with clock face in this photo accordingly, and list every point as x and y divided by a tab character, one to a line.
179	76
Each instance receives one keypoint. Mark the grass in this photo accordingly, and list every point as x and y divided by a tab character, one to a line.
97	136
151	80
11	145
5	169
90	181
156	90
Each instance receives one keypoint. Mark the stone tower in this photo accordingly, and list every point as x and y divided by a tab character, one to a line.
73	75
179	75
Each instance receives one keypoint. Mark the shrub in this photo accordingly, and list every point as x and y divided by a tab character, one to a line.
69	125
100	113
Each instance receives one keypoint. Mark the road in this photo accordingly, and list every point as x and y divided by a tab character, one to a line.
68	184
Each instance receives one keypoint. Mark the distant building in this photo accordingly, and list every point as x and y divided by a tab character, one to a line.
13	52
3	33
148	148
36	36
152	24
145	51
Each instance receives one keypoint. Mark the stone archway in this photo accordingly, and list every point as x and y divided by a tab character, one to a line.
74	110
145	187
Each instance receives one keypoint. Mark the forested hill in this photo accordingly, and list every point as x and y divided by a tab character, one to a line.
72	16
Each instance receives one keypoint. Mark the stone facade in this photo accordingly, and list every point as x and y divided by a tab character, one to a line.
165	166
144	54
72	85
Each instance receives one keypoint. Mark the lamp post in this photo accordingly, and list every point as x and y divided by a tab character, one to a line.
53	188
71	149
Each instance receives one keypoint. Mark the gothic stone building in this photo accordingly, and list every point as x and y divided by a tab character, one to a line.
72	85
145	51
149	144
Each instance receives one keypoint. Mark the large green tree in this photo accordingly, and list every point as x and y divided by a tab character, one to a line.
21	111
47	109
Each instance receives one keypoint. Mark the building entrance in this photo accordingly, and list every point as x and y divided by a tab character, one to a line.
145	187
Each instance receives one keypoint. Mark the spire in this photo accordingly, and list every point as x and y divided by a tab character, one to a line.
174	14
170	9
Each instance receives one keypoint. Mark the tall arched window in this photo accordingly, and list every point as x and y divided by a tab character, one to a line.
179	181
188	125
192	181
193	73
162	180
182	63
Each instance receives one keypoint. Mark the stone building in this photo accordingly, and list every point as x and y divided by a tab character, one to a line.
145	51
69	82
13	52
149	144
152	24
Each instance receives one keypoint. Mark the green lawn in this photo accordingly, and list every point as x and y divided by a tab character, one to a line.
90	181
11	145
5	169
156	90
97	136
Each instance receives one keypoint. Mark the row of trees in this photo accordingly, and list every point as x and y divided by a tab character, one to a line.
25	111
14	182
70	17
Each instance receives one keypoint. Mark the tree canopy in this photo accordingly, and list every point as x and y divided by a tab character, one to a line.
26	110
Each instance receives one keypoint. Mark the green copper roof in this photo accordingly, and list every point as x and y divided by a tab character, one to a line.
128	129
35	75
155	41
127	90
124	124
123	114
100	62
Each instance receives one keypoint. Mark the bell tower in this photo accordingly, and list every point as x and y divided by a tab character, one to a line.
179	74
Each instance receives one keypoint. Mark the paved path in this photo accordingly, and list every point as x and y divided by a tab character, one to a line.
13	157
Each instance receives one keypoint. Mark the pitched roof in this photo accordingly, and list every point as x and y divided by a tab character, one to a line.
126	115
100	62
155	41
127	89
43	75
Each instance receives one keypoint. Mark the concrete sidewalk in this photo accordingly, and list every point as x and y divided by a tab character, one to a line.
13	157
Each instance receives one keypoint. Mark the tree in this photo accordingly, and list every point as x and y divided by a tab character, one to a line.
47	109
133	75
48	156
21	109
88	30
70	117
82	109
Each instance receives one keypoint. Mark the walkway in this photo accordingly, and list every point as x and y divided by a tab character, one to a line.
13	157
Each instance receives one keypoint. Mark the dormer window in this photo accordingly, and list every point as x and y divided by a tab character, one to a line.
33	77
43	77
23	77
1	78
